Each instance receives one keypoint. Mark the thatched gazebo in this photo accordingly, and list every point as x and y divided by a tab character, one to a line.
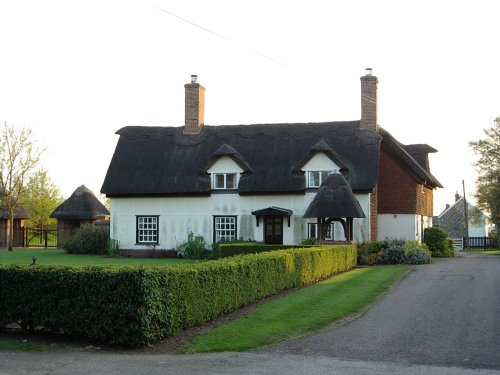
335	201
81	208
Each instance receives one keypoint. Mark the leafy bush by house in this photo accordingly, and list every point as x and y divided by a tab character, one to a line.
438	242
392	251
133	306
416	253
88	240
369	252
195	248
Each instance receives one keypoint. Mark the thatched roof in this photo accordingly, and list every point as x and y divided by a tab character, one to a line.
164	161
334	199
19	212
82	205
413	157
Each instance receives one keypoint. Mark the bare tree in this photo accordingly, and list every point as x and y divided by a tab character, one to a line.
19	156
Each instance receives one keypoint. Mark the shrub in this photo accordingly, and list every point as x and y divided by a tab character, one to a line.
438	243
195	247
393	251
88	240
416	253
133	306
369	252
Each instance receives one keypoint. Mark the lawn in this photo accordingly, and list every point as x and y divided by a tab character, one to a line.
60	257
305	311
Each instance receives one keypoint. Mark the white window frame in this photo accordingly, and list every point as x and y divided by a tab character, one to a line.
313	227
147	229
225	181
225	228
322	175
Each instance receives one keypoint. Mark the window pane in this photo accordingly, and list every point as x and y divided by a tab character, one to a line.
314	179
231	181
225	228
219	181
147	229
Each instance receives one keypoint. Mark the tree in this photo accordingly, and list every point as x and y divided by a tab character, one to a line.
488	170
19	156
41	197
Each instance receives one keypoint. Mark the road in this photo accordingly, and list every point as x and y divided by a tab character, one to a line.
440	319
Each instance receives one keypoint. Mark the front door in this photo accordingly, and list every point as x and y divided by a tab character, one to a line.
273	230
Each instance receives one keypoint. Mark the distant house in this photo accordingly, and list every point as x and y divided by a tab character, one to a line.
452	220
257	181
82	207
20	214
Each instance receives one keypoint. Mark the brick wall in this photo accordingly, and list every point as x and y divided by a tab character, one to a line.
398	192
194	108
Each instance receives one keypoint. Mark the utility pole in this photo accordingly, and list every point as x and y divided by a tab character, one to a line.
466	244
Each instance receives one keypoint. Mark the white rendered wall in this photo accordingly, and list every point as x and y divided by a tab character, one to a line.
180	215
398	226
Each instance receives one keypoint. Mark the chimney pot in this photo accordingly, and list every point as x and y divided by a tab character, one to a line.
369	71
194	78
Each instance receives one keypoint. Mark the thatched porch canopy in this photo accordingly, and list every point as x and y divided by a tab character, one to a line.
333	202
335	199
82	205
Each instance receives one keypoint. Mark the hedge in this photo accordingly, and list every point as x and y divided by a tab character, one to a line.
134	306
224	250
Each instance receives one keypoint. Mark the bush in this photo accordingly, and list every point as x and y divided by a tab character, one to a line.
416	253
195	247
88	240
438	242
134	306
392	251
369	252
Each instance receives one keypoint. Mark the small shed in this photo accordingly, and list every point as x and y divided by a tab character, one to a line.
82	207
20	214
335	201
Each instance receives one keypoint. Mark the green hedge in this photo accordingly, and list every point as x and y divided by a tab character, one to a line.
438	242
133	306
224	250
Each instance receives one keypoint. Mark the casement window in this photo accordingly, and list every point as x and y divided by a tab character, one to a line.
147	229
313	231
225	228
315	178
224	181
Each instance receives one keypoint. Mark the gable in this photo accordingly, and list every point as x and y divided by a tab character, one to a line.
225	164
320	162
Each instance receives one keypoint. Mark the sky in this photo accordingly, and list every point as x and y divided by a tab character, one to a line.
75	72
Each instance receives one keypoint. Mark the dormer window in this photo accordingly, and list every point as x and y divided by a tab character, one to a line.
315	178
224	181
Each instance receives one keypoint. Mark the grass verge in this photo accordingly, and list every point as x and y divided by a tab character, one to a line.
60	257
305	311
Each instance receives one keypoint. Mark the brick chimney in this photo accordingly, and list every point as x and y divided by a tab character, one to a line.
194	106
369	101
